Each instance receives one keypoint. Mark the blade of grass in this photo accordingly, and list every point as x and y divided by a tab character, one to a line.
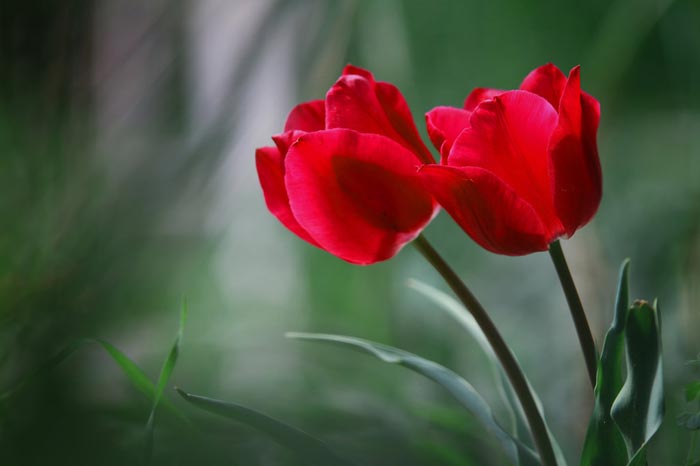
165	372
129	368
307	447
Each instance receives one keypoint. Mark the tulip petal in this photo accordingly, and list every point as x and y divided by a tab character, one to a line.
486	208
399	114
358	195
285	140
309	116
508	137
547	81
269	163
356	101
444	125
480	94
577	178
352	69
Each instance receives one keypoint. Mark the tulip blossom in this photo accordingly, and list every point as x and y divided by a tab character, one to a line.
519	168
344	173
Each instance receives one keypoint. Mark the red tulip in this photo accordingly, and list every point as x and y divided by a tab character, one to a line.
344	173
519	168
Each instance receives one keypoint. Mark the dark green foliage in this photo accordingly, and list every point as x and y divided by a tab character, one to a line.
604	445
638	410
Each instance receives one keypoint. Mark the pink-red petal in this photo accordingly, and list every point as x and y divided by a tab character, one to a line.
358	195
480	94
547	81
309	116
576	173
356	101
508	137
485	207
269	163
444	125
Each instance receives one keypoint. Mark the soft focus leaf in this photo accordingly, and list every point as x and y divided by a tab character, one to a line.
308	448
604	445
163	378
459	388
457	311
639	408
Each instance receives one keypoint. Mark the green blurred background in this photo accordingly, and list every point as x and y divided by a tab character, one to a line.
127	134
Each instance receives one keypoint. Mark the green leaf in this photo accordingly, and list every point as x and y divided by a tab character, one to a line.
308	448
163	378
604	445
518	424
639	407
459	388
129	368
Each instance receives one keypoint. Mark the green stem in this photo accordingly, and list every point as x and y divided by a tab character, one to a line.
503	352
583	330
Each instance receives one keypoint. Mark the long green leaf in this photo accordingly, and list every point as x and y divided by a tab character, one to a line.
308	448
604	445
458	312
129	368
459	388
639	408
163	378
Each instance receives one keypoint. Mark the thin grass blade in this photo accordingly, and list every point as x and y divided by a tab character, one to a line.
129	368
307	447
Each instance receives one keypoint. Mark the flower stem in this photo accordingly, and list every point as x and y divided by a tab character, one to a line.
585	337
503	352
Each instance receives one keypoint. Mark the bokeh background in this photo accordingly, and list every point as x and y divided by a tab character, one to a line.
127	181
